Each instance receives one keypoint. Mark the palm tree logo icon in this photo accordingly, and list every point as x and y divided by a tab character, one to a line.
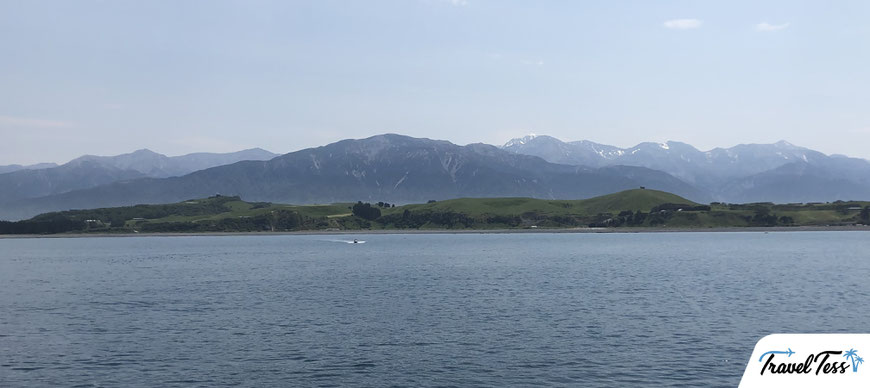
853	356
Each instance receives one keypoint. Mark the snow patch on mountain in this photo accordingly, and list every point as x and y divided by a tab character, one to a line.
520	140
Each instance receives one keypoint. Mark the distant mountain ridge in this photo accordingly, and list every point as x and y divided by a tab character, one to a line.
156	165
91	171
393	168
779	172
402	169
17	167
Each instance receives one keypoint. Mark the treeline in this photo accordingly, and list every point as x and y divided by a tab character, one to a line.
659	216
44	226
842	207
446	219
368	211
279	220
129	218
367	215
679	207
664	214
437	219
425	218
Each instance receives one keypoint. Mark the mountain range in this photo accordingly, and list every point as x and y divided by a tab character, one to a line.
390	168
16	167
90	171
402	169
779	172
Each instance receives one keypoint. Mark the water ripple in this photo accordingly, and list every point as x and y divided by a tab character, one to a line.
662	310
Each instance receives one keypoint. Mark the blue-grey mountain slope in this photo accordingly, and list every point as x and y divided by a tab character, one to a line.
17	167
91	171
156	165
392	168
779	172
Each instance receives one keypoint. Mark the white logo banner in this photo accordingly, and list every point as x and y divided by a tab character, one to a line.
809	360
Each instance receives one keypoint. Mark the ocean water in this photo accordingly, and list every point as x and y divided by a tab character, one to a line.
591	310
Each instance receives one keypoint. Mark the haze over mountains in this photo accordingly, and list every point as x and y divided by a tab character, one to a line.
16	167
779	172
91	171
391	168
402	169
156	165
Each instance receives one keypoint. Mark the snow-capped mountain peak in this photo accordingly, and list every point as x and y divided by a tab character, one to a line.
718	170
520	140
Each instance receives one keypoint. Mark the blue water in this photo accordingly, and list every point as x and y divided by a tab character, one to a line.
662	309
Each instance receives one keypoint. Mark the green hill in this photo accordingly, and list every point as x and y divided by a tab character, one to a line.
486	213
194	210
213	214
634	200
630	208
637	199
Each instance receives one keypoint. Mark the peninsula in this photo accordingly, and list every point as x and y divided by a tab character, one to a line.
638	209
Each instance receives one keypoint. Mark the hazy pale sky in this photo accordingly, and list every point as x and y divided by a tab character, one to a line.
108	77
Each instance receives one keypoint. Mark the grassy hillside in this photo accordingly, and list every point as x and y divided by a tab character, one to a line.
483	213
195	210
626	200
631	208
218	213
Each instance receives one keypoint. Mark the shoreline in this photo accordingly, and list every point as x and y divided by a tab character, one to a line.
865	228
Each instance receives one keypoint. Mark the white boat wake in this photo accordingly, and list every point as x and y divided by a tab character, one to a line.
348	241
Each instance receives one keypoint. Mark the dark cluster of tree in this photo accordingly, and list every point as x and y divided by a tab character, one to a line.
544	220
446	219
43	226
842	207
754	206
679	207
662	215
368	215
657	216
370	211
763	217
366	211
624	218
636	218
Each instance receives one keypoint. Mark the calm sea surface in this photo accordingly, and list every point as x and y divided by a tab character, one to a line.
662	309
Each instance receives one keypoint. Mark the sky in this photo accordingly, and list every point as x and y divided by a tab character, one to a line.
110	77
